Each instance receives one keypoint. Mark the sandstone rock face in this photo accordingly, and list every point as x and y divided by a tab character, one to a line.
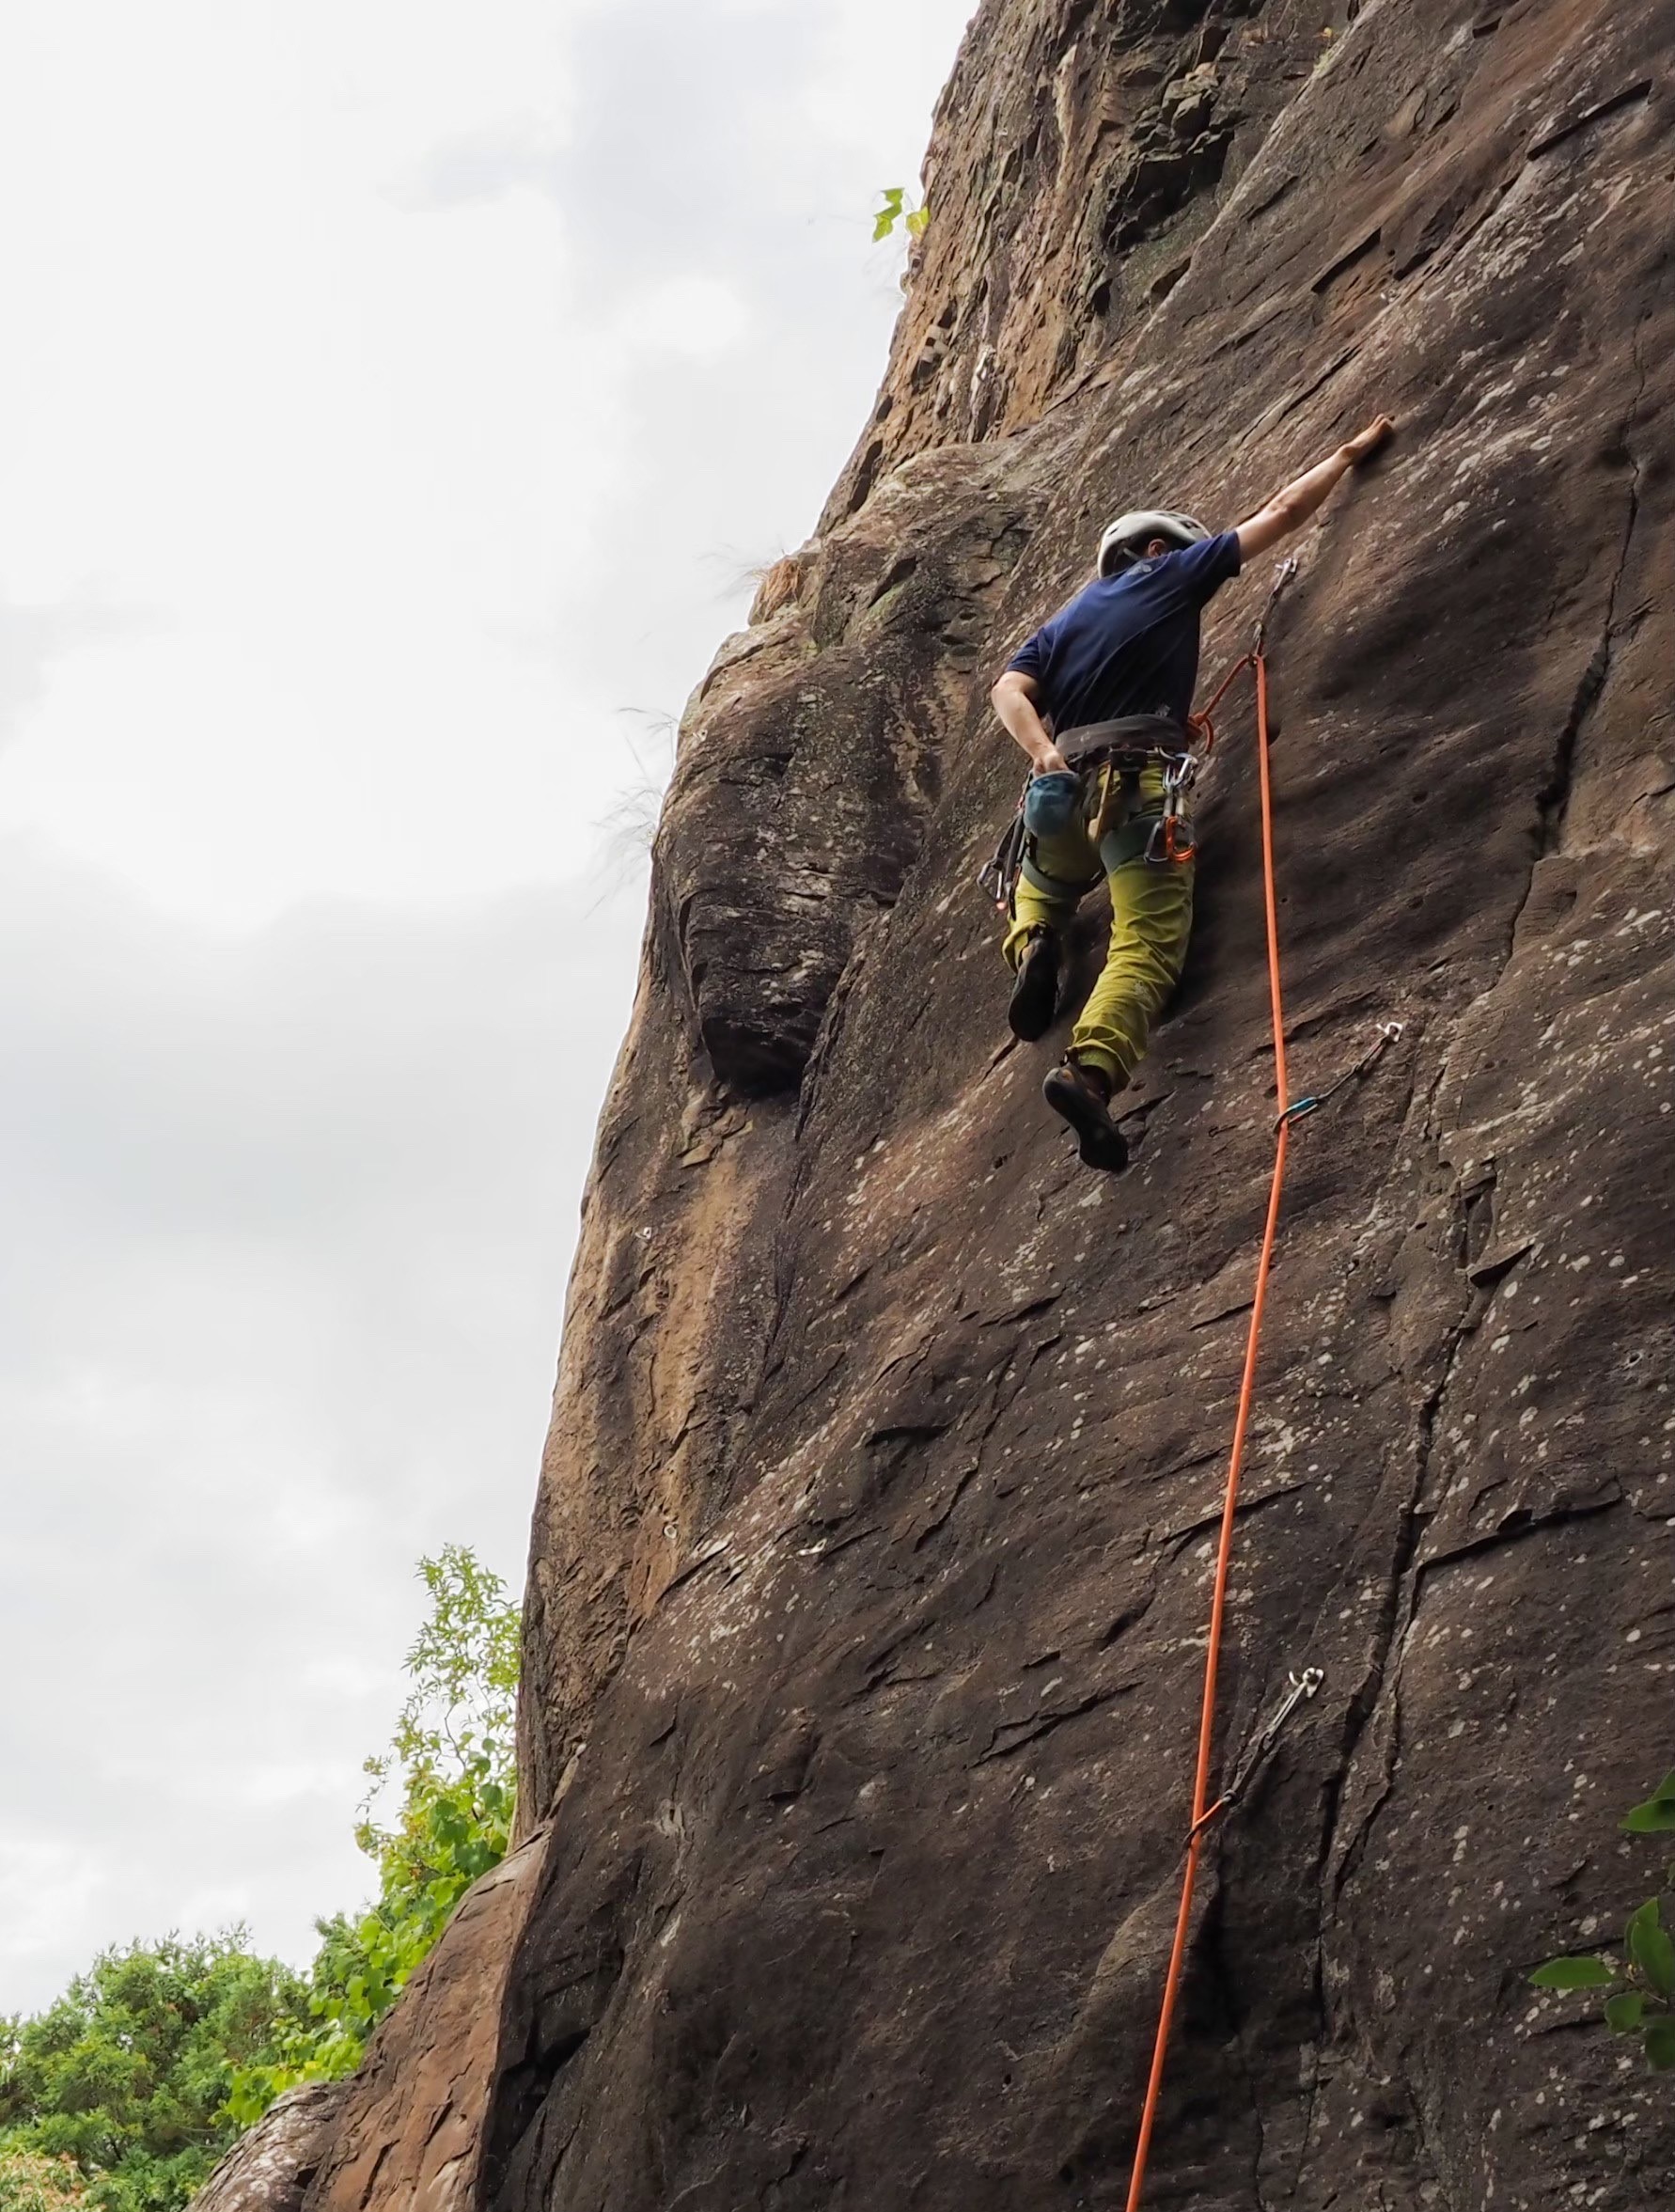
410	2129
869	1566
269	2169
407	2130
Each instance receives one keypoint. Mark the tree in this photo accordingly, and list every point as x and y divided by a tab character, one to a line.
115	2096
451	1761
121	2096
1641	1982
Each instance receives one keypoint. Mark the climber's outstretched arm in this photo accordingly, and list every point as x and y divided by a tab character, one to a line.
1304	493
1014	698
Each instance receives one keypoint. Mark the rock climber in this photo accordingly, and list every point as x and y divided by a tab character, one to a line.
1099	698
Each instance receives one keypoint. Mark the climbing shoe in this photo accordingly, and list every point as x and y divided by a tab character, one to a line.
1082	1096
1035	993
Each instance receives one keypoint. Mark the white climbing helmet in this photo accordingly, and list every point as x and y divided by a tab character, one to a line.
1127	538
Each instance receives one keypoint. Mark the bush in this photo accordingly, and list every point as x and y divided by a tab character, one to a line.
1641	1980
122	2096
121	2087
30	2183
451	1759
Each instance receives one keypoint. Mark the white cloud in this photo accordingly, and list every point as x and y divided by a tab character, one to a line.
33	638
696	317
48	1897
519	152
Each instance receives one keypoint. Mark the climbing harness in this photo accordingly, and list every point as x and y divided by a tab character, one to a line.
1205	1812
1120	752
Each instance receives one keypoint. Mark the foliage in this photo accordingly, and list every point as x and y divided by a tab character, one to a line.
114	2097
122	2096
451	1761
31	2183
895	209
1641	1981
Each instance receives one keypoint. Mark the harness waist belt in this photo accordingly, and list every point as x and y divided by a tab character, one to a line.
1128	734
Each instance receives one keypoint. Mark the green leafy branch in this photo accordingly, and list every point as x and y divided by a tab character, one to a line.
122	2094
895	210
452	1760
1642	1980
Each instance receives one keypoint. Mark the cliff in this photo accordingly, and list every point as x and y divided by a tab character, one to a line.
870	1563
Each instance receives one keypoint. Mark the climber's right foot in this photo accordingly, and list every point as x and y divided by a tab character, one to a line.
1035	994
1082	1096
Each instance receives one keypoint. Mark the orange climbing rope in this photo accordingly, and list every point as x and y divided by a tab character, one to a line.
1203	1811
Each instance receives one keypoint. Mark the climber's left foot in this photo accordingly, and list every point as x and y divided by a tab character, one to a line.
1035	992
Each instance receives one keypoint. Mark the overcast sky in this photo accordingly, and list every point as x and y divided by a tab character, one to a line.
394	396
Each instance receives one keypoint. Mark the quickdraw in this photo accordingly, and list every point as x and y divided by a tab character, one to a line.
998	876
1389	1033
1260	1748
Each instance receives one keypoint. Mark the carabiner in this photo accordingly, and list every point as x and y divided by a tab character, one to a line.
1171	841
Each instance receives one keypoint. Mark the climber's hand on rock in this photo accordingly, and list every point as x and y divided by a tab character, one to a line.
1373	439
1298	500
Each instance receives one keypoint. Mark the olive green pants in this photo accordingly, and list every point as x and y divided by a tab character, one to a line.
1150	922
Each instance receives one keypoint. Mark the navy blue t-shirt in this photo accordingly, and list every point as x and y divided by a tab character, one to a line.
1129	644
